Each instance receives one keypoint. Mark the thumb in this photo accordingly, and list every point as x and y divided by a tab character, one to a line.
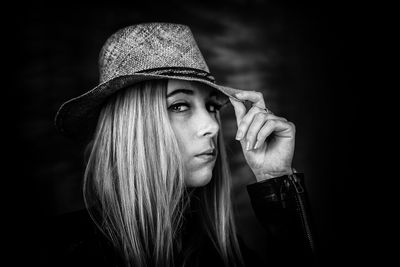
240	109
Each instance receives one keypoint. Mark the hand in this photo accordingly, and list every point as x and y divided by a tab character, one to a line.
267	140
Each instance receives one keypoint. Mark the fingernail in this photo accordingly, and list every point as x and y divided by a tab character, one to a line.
239	136
258	143
248	145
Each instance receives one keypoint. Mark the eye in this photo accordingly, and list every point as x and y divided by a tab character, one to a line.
179	107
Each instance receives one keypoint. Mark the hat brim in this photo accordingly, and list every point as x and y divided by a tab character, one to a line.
76	118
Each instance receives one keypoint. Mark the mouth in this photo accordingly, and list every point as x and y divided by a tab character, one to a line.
210	151
208	155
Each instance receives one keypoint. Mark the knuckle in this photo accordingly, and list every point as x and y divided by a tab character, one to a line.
271	122
266	127
260	116
250	136
292	125
251	129
283	119
270	116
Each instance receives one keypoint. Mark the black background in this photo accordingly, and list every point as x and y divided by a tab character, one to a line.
315	55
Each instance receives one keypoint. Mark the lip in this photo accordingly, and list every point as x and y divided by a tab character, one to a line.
209	151
207	155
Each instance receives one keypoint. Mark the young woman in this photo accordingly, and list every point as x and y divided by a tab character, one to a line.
157	181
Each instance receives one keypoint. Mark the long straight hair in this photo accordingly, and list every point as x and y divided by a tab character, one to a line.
135	178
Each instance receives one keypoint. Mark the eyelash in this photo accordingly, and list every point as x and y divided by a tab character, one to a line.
216	106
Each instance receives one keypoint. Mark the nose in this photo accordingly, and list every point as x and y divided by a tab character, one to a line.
208	125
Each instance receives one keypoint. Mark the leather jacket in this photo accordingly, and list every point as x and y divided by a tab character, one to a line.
280	205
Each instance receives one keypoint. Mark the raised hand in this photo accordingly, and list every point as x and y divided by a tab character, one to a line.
267	140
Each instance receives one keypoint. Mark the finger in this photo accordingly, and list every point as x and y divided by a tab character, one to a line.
255	97
258	121
263	109
268	111
255	126
280	128
240	109
247	119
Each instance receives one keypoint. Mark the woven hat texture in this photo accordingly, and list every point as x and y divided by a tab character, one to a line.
140	52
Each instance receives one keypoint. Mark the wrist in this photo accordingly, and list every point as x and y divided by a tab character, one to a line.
262	175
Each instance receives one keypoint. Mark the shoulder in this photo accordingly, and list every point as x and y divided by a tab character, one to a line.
76	241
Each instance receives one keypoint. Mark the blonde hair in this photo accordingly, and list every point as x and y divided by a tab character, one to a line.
135	177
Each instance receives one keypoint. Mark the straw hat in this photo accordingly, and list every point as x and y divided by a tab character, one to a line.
133	54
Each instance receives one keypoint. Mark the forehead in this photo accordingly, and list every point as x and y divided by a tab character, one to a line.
197	87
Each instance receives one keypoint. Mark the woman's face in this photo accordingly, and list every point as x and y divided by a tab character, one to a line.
192	110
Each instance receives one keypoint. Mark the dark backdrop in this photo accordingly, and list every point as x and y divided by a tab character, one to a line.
301	56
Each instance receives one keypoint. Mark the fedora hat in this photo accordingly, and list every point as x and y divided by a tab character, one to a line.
141	52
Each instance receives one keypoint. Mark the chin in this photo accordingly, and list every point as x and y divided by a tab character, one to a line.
199	180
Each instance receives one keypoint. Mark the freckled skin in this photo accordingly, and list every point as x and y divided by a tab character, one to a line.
195	126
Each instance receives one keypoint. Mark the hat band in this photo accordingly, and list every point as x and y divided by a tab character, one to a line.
180	71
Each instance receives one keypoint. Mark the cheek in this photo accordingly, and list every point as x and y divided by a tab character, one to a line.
183	142
183	135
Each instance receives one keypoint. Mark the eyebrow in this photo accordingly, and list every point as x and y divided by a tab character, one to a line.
187	91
